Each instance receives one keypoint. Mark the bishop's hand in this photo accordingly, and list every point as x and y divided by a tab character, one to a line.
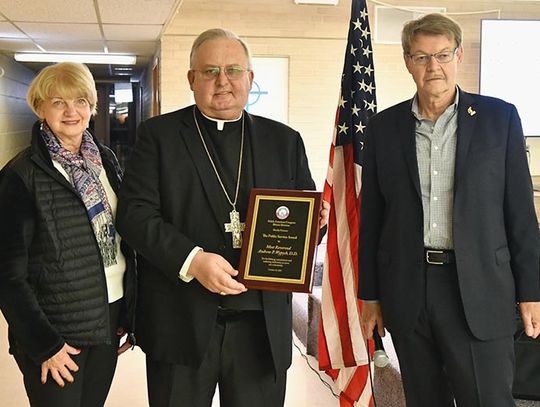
215	274
323	214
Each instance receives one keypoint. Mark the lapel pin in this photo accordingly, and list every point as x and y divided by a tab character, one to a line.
471	111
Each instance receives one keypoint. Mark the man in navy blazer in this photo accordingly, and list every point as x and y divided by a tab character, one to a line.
449	240
189	176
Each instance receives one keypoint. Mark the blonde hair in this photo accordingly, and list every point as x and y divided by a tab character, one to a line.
213	34
432	24
68	80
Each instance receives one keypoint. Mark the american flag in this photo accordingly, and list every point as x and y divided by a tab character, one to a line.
342	350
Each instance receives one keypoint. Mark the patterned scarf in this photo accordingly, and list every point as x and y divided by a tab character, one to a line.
83	170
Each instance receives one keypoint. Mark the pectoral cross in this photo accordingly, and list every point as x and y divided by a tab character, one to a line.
236	228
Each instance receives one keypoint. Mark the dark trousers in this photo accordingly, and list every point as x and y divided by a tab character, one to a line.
92	382
442	360
238	360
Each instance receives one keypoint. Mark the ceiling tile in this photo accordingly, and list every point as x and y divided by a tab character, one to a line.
128	11
67	11
18	45
129	32
129	47
7	30
72	26
46	31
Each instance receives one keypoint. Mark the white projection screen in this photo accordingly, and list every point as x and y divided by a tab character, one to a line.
510	67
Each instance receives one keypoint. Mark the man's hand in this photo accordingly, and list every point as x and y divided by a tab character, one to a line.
323	214
530	315
215	274
60	366
371	317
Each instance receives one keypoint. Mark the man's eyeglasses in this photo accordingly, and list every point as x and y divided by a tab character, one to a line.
231	72
442	57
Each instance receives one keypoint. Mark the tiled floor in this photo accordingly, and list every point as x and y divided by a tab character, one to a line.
304	387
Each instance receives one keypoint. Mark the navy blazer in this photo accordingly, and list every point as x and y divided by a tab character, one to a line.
495	230
167	206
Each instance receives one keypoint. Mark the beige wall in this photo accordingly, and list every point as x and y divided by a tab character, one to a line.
314	38
16	118
311	37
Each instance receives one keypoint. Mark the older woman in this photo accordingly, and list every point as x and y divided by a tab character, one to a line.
67	282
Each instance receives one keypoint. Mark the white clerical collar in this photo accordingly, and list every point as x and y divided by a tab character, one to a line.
221	123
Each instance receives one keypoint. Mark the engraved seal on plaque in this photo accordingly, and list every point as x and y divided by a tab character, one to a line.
282	212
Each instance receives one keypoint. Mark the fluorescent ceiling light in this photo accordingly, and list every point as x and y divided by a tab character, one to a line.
83	58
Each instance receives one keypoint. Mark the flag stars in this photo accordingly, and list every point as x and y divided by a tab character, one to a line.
357	24
366	51
343	128
357	67
365	33
342	102
370	88
360	128
363	14
370	105
362	85
368	70
355	110
353	50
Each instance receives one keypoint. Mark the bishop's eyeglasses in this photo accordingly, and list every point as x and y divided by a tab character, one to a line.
212	72
442	57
